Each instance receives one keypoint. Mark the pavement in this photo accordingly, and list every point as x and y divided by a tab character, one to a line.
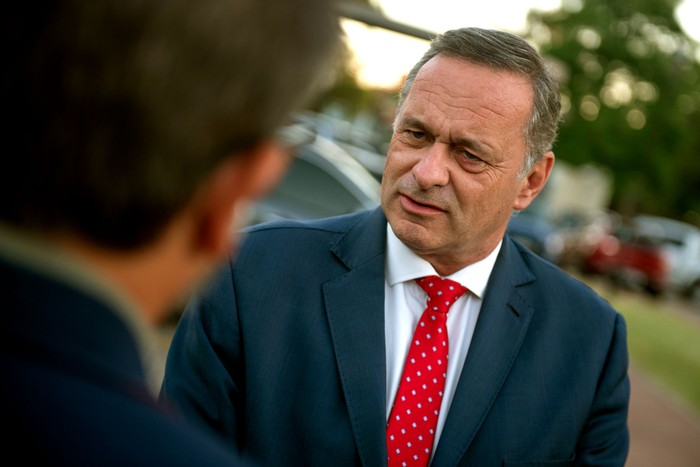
664	432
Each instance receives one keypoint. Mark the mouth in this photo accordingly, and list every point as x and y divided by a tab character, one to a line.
414	206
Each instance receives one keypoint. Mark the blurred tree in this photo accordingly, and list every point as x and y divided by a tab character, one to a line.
353	100
345	88
631	98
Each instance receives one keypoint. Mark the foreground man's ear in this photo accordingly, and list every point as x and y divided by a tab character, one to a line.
232	186
534	182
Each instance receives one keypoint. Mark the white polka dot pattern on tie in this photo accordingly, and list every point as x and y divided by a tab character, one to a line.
411	426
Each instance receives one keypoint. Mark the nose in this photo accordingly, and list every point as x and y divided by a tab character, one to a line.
431	169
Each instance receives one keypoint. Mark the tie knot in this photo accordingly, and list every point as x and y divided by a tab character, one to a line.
442	293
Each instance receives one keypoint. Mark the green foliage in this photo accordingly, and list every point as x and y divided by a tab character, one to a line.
631	87
664	344
346	92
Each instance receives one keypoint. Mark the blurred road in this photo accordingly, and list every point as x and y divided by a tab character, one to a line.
663	431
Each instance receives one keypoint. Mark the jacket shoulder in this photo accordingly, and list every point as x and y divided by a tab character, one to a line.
332	225
553	284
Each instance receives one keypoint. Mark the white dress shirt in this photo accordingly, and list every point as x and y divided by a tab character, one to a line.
404	302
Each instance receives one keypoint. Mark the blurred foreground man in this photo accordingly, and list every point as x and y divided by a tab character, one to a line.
326	342
136	132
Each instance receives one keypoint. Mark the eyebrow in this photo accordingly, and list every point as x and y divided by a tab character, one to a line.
471	143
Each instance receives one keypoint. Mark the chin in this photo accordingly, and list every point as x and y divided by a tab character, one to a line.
414	235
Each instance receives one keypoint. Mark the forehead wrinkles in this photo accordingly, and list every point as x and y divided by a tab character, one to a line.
445	109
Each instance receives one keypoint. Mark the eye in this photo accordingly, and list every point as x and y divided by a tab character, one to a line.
463	153
417	135
413	137
470	161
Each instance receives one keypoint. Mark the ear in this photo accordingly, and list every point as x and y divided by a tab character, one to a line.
534	182
225	195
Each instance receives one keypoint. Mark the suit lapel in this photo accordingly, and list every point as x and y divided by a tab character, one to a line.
500	330
355	307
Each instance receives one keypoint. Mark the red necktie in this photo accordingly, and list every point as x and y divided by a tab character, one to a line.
411	426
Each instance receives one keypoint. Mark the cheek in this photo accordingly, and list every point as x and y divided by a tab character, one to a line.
480	198
395	166
400	156
395	169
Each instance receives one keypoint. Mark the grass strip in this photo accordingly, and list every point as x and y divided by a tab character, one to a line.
664	344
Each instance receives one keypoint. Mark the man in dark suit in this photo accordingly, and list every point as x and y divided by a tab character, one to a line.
135	132
297	350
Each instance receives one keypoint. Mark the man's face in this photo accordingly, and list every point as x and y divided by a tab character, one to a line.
451	176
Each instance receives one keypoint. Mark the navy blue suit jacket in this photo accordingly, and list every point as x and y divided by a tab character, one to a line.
74	391
284	355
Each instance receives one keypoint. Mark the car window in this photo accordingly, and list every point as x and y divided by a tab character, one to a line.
307	191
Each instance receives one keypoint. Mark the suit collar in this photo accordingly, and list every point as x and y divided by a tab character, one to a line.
61	323
503	323
363	241
35	260
355	308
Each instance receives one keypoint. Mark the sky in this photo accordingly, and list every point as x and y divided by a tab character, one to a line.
383	57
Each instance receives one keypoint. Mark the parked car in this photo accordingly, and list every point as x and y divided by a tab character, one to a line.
582	231
323	180
680	243
629	255
537	234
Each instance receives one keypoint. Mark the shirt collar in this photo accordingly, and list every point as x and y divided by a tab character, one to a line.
28	250
403	265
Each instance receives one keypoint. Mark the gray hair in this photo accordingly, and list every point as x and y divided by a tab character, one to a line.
504	51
